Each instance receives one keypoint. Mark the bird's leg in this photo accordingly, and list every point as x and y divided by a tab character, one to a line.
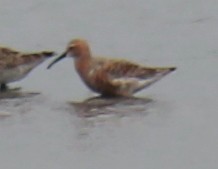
3	87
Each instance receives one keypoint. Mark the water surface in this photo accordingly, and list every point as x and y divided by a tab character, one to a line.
172	124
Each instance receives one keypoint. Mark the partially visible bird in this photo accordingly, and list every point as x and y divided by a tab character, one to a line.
15	65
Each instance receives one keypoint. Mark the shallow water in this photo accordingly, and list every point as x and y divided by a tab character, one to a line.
56	122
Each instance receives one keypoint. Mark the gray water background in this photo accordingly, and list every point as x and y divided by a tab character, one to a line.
175	126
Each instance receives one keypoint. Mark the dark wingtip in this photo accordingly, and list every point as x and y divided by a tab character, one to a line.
173	69
48	53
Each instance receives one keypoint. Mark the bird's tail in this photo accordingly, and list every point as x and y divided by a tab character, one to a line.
164	71
158	73
48	53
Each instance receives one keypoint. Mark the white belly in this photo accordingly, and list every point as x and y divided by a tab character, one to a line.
14	74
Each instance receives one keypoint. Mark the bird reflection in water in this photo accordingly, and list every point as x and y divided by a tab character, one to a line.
119	105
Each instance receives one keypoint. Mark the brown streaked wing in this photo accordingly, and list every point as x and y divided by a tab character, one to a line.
7	52
8	58
122	69
2	65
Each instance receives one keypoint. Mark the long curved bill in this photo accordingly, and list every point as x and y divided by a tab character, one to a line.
57	59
